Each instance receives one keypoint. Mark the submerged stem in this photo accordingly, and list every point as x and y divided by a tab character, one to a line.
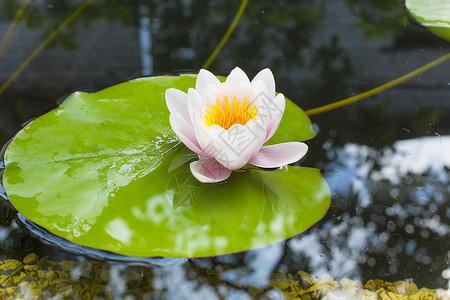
377	90
13	24
225	38
42	46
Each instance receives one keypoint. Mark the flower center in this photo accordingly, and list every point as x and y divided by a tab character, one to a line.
229	114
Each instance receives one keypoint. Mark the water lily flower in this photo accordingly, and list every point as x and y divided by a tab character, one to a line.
227	123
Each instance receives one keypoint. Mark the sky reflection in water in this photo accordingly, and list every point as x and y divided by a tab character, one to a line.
397	190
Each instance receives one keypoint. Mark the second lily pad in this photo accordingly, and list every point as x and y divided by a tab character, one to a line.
433	14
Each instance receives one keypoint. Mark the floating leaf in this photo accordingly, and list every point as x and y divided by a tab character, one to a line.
105	170
434	14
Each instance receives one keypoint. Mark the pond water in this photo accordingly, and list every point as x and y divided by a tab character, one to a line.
386	159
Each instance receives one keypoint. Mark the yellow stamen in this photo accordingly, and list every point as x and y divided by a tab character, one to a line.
228	115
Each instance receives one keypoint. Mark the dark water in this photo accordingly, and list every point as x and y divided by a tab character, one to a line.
387	159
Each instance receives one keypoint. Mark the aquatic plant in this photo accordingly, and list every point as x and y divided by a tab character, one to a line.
105	170
226	124
434	14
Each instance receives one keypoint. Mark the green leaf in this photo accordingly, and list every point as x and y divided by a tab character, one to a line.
434	14
294	126
105	170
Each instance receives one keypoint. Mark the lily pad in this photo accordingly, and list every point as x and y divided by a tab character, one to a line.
434	14
105	170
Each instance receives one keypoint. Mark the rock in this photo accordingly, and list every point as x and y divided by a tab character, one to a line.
405	288
51	275
30	268
9	265
67	265
30	259
8	282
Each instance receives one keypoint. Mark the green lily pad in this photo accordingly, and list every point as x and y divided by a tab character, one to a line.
434	14
105	170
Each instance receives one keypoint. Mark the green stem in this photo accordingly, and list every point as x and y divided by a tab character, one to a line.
377	90
42	46
13	24
225	38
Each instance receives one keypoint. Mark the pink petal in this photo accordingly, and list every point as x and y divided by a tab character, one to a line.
194	99
275	112
209	171
260	100
232	148
244	90
204	78
209	139
260	95
185	132
237	76
228	151
278	155
267	77
194	104
209	94
176	101
224	90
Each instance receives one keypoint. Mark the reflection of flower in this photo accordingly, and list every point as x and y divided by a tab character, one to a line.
226	124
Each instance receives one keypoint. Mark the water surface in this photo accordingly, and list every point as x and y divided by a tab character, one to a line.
385	159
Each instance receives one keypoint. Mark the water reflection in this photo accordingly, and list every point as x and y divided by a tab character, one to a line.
393	235
396	224
385	223
429	156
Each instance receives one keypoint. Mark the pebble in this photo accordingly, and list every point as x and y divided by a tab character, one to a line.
30	259
40	279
